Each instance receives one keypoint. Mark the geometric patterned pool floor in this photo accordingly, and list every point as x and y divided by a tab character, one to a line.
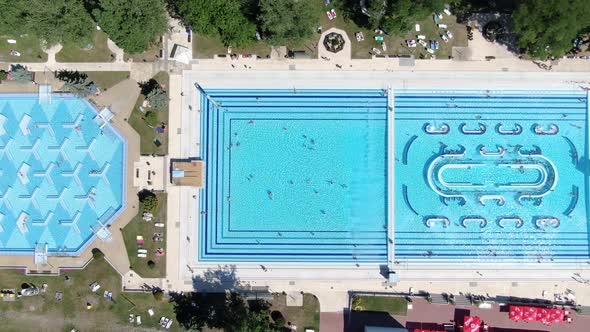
60	173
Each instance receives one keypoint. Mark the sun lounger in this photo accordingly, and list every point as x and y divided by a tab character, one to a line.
169	323
417	27
94	286
421	37
444	38
333	12
142	251
150	312
384	47
139	239
142	255
442	26
447	11
359	36
449	34
138	320
378	38
330	17
159	224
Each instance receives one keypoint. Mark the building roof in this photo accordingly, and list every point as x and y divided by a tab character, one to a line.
188	173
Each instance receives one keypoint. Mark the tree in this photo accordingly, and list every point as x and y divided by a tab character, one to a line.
375	9
401	15
20	73
256	321
148	201
60	21
493	31
158	98
76	83
287	20
223	18
57	21
132	24
546	28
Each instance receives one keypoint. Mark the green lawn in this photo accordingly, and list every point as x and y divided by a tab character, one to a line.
150	55
207	47
107	79
145	129
99	53
28	46
29	313
390	304
307	316
137	226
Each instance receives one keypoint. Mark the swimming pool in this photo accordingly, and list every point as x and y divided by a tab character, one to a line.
491	176
294	175
62	175
301	175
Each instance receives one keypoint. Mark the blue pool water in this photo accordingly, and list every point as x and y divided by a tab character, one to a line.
62	174
491	176
301	175
294	175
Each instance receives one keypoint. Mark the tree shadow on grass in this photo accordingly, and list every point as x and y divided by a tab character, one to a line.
213	303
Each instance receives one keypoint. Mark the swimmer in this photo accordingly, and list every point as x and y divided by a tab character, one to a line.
270	195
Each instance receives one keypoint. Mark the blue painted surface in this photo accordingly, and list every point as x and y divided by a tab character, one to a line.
61	174
294	176
485	175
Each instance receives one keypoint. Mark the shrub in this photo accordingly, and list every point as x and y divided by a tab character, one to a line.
158	294
148	201
158	98
20	73
97	254
151	264
3	75
357	304
278	318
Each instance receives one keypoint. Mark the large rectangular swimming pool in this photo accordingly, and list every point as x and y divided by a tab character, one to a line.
301	175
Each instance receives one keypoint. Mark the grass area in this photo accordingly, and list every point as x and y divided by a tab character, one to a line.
150	55
145	129
207	47
137	226
107	79
29	313
100	52
28	46
390	304
307	316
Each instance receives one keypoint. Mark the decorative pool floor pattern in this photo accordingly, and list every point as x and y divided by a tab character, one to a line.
486	175
61	174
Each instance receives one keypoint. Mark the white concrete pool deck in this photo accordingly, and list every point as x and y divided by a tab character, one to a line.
331	282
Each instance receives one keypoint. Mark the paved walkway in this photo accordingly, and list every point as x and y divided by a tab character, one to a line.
120	98
119	53
342	56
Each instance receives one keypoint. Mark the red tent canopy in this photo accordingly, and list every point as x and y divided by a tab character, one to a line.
530	313
471	324
515	313
556	316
